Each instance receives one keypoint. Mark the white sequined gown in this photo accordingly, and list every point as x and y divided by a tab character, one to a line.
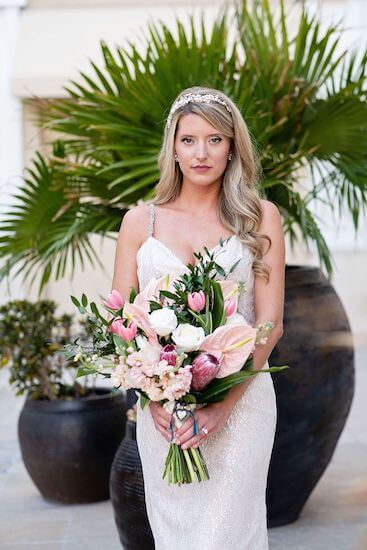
227	512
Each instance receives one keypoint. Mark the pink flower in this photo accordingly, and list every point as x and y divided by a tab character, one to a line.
114	300
230	307
139	315
178	385
196	300
126	333
135	377
232	345
204	369
230	292
151	291
169	353
153	391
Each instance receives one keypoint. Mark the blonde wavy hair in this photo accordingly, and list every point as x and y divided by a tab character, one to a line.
239	200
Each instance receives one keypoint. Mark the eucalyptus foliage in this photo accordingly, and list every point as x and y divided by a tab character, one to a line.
304	102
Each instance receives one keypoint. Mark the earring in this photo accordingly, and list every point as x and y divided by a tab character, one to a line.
230	156
176	157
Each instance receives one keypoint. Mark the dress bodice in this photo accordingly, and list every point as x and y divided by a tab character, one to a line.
155	259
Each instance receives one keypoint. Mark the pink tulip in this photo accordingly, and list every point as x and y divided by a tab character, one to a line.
126	333
230	307
114	300
204	369
169	353
196	300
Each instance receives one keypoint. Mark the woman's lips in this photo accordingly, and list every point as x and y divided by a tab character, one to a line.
201	168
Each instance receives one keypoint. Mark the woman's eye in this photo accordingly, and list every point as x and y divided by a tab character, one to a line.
213	140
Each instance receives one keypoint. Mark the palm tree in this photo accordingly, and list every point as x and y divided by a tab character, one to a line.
304	103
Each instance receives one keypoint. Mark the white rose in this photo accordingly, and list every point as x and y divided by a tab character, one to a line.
141	341
163	321
187	337
235	319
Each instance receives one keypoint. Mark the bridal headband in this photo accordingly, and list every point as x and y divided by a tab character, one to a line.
197	98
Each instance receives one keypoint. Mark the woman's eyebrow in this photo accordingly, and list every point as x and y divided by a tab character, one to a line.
209	135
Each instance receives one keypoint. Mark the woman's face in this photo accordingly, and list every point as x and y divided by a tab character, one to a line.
202	151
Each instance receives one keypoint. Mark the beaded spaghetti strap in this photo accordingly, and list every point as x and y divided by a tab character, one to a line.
151	220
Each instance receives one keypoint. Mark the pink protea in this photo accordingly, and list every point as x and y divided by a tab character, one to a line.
114	300
196	300
169	353
230	307
126	333
204	369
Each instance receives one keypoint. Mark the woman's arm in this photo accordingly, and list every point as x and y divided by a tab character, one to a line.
132	233
268	295
269	304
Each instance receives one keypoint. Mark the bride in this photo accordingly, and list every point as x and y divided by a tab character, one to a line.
208	191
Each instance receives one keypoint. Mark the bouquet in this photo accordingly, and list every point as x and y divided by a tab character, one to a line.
181	342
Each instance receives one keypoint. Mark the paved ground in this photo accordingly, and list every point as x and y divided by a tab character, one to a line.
335	517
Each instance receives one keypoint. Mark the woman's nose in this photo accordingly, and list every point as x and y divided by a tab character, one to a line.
201	150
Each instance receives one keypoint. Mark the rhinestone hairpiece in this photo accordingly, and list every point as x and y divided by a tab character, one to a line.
199	98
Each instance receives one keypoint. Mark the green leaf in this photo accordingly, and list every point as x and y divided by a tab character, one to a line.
94	309
132	295
85	371
218	304
168	294
75	301
144	400
120	344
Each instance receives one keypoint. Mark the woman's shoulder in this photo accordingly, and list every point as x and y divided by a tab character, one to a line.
136	218
137	214
135	223
270	214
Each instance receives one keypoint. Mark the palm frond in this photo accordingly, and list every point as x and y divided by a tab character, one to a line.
305	105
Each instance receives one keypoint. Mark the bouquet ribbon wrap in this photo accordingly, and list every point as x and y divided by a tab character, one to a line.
179	413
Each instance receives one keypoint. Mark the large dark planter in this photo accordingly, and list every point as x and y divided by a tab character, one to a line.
314	396
68	446
127	495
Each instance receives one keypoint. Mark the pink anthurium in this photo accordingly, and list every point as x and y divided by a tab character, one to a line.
232	345
139	315
151	291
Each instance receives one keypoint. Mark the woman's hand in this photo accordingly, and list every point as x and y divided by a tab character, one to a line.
213	416
161	419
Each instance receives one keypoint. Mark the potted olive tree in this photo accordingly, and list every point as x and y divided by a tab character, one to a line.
68	432
305	102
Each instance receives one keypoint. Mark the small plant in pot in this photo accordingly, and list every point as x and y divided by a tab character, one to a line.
68	432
